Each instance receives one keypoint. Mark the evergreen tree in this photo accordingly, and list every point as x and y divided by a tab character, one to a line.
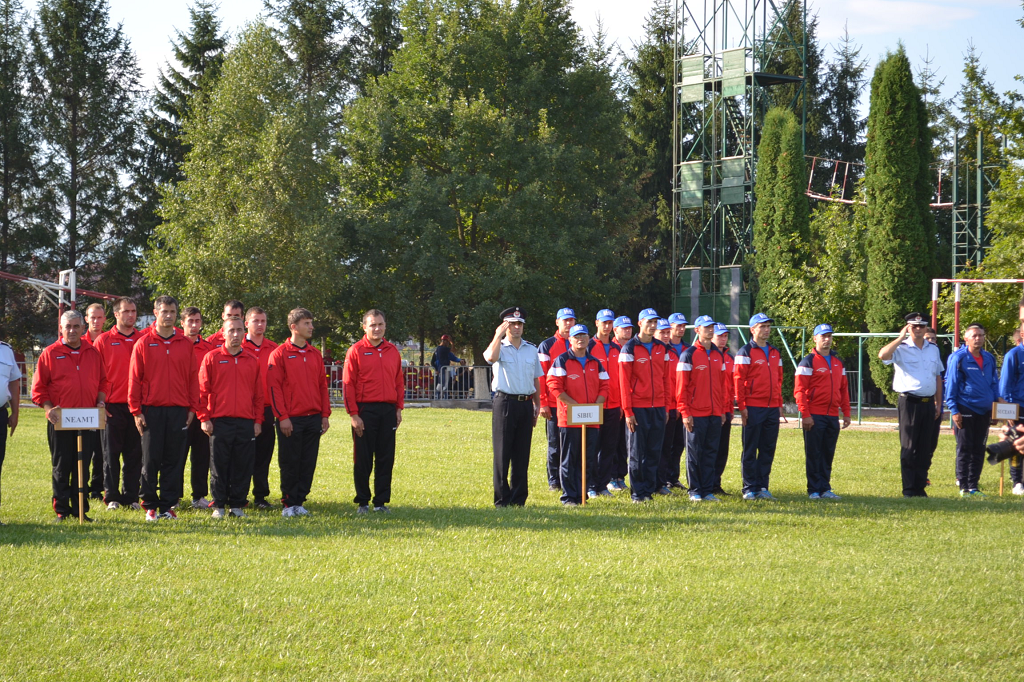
379	36
898	186
842	130
785	59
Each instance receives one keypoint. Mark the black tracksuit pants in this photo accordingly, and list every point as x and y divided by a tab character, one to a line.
917	426
64	457
970	447
571	469
264	455
511	437
760	435
819	452
621	467
374	452
297	455
723	450
1016	472
610	434
554	448
672	450
94	462
3	442
702	453
233	450
122	456
198	460
164	441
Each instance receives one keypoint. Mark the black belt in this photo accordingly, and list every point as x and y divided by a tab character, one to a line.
918	398
521	397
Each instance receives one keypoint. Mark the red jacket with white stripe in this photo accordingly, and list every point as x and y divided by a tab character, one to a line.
230	386
610	361
547	351
584	382
820	388
297	382
702	389
758	379
201	347
68	377
645	377
163	373
116	350
262	353
373	374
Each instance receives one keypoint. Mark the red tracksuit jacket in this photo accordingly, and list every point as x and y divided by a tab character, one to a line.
68	377
200	348
373	374
584	383
116	350
230	386
730	388
702	389
163	373
297	382
262	353
757	380
549	349
820	389
610	362
645	379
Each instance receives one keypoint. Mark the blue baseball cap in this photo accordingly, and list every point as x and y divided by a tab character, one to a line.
566	313
664	324
605	315
720	329
704	321
677	318
579	329
648	313
623	322
823	328
759	318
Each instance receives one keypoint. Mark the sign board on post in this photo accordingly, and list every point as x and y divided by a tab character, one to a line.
586	415
80	419
1005	411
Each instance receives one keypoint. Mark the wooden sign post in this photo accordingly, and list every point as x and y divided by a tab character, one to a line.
1010	412
583	415
81	419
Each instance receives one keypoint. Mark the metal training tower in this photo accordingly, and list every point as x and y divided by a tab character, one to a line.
724	50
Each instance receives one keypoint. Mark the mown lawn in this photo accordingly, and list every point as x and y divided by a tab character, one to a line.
448	588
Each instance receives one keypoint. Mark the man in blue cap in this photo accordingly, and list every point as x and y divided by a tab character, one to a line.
675	435
547	351
757	382
721	340
623	328
604	348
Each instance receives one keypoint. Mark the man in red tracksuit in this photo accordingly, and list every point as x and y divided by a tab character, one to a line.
606	350
121	440
821	392
702	396
374	398
232	311
297	384
198	442
721	340
675	435
95	321
260	346
231	412
69	373
547	351
163	396
575	378
645	385
757	379
623	328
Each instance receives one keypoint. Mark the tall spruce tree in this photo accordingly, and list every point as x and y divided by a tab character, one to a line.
842	130
898	184
378	37
86	95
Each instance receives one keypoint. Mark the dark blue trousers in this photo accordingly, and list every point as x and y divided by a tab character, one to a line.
571	469
644	447
702	453
608	449
819	451
970	447
672	449
554	448
760	435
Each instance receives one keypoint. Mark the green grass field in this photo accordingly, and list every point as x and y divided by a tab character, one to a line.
448	588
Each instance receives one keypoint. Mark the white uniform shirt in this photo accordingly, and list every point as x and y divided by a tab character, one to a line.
516	368
916	368
8	372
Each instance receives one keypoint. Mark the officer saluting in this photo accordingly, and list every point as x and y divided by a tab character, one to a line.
516	386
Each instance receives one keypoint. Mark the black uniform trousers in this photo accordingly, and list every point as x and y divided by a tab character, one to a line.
3	443
121	443
375	448
760	435
233	450
94	462
672	425
917	426
1016	471
164	441
511	436
621	467
644	447
723	450
198	460
970	447
610	433
702	453
571	468
296	456
264	455
64	457
554	448
819	452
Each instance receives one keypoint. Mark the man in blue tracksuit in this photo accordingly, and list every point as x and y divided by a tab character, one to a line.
1011	389
971	388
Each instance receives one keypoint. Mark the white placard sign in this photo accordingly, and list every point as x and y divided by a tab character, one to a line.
1005	411
81	419
589	415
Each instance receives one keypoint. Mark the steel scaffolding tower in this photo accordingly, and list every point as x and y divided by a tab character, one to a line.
722	51
970	237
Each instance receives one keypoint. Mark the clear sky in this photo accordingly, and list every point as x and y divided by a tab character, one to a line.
941	28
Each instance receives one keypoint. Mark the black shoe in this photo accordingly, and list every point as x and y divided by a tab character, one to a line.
61	517
677	484
263	504
719	491
554	488
96	496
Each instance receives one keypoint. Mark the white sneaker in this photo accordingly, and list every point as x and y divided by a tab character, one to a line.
114	504
151	515
237	512
1018	489
288	512
301	511
201	503
219	513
